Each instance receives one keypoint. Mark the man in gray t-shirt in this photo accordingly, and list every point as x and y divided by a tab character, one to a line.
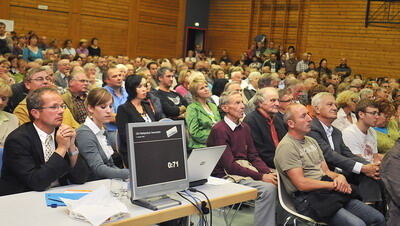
301	166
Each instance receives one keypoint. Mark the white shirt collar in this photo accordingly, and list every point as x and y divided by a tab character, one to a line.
43	135
92	126
230	123
251	87
328	130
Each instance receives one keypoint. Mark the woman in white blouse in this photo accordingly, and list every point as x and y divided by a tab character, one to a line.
68	49
346	102
92	138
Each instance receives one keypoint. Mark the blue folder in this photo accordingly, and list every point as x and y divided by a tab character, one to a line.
53	199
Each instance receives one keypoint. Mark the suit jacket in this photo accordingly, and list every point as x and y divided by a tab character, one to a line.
127	113
23	162
260	132
390	168
342	156
59	81
280	125
249	93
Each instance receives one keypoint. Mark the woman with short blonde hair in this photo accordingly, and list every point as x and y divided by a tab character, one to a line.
201	115
346	103
8	122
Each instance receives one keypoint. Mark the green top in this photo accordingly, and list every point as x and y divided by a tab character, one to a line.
200	122
387	141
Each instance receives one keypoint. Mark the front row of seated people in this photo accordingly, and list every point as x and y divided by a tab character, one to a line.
42	153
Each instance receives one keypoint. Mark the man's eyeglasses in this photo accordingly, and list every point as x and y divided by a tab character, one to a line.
82	80
374	113
54	108
41	79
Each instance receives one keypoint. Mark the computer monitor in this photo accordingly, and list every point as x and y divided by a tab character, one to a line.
157	157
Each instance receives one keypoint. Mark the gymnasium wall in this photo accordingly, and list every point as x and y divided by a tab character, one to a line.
124	27
330	29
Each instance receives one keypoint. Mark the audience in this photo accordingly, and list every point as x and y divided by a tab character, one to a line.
317	191
75	95
62	73
93	141
240	162
42	153
346	102
8	122
152	93
361	137
262	126
32	52
114	81
337	155
37	78
173	104
386	127
201	115
135	109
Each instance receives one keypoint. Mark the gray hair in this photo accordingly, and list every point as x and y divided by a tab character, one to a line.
33	71
34	99
161	72
316	100
364	92
227	85
260	95
225	97
253	75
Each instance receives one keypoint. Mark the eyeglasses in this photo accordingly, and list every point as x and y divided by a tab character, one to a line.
374	113
54	108
82	81
41	79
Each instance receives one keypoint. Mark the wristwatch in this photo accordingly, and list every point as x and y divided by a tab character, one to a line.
73	153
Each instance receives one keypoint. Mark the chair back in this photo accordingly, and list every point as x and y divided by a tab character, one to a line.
285	200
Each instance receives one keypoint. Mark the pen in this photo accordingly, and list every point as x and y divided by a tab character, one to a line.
55	200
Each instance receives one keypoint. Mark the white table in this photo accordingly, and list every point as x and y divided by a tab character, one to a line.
30	208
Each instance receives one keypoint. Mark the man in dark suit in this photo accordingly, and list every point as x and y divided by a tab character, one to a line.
42	154
261	124
285	99
338	156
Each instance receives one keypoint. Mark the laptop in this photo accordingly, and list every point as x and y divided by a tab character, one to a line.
202	162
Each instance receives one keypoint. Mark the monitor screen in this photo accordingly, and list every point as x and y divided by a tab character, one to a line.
157	156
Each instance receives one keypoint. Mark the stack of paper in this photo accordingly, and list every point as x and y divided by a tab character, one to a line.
96	207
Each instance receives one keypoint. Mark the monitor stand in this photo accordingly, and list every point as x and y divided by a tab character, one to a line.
157	202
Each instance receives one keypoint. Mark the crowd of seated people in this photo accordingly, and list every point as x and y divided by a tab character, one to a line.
63	114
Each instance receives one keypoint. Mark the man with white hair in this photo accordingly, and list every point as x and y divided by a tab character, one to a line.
240	161
302	65
337	154
252	88
62	73
367	94
261	123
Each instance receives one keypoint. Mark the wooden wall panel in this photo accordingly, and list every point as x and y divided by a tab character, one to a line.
156	29
233	24
49	23
336	29
111	43
228	26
